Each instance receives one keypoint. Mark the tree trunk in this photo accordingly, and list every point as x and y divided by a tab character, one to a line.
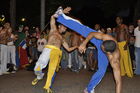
13	14
42	24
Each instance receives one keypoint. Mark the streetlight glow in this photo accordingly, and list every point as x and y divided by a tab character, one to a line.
23	19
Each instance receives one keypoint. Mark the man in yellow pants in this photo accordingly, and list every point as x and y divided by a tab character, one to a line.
52	52
122	37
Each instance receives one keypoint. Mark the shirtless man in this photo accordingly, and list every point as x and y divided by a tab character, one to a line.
75	39
122	37
4	36
52	52
11	49
110	47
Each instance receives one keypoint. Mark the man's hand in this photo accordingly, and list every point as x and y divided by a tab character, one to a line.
67	10
82	48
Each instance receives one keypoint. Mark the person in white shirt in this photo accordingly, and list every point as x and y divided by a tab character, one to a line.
41	42
137	48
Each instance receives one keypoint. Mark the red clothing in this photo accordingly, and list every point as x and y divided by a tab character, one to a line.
23	57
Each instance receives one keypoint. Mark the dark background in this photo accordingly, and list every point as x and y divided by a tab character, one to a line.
89	12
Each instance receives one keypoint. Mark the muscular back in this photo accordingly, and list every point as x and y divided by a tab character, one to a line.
114	57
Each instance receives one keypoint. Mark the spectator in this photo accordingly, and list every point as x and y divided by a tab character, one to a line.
75	38
102	30
33	47
66	55
4	35
132	50
91	55
97	27
122	37
11	57
37	32
26	31
21	53
131	44
131	30
114	32
109	31
41	42
137	48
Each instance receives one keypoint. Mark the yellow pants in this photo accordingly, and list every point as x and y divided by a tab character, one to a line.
55	57
125	61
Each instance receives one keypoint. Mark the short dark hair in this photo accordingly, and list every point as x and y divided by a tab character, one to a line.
109	46
119	17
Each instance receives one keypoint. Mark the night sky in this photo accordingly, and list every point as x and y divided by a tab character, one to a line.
88	11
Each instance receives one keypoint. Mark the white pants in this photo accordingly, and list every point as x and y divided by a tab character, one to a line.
42	62
11	54
3	58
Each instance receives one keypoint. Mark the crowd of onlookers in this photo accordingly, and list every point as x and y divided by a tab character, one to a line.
21	49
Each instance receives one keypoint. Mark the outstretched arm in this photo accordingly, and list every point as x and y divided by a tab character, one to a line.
66	46
53	24
96	35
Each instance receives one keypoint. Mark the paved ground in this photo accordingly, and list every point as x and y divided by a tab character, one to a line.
65	82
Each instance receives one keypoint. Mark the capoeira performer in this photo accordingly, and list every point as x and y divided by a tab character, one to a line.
101	41
51	53
110	47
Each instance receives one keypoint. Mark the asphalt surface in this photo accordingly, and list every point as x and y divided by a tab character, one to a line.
65	82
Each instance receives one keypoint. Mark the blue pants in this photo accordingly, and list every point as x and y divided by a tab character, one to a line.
17	58
137	55
84	31
53	79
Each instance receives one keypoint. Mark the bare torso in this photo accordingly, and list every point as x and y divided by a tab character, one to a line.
121	33
55	39
75	39
3	37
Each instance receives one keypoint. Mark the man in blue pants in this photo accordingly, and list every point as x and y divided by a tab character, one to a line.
110	47
102	59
